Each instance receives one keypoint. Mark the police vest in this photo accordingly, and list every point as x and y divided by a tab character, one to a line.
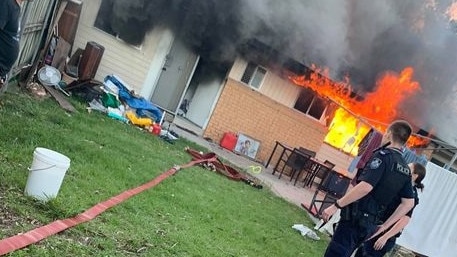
393	179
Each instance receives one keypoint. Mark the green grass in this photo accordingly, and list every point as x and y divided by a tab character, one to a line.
194	213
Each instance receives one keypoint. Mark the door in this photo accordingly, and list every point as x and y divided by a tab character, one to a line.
179	66
202	102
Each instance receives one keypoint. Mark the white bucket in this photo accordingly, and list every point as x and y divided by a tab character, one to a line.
46	174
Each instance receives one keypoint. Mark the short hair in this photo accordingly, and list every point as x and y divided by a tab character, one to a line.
401	131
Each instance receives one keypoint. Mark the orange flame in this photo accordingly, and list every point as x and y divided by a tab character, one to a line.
354	118
451	12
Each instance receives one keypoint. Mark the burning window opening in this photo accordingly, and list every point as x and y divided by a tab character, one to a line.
350	115
354	117
311	104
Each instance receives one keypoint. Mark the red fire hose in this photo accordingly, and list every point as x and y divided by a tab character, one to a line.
214	163
16	242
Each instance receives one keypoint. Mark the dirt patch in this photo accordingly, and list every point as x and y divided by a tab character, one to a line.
12	222
37	91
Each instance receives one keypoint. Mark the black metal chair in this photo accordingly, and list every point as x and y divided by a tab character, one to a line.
307	151
283	157
296	162
329	189
308	168
320	172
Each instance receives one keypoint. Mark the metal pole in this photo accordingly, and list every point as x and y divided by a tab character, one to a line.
451	162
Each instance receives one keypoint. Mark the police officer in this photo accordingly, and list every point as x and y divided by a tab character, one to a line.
379	245
386	177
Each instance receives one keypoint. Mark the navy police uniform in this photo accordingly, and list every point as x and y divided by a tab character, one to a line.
9	35
367	249
390	177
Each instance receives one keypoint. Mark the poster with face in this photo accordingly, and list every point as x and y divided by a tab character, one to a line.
247	146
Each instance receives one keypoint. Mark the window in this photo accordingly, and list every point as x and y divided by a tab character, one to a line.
254	75
122	30
311	104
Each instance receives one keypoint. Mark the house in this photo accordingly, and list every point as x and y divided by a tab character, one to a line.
253	95
253	98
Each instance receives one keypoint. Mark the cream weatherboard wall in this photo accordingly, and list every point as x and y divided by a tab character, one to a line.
273	86
137	66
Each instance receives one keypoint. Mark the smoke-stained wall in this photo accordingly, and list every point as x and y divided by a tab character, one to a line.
362	39
211	28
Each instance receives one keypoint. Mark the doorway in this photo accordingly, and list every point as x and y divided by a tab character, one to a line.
203	92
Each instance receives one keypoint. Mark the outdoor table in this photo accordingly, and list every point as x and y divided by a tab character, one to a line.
315	166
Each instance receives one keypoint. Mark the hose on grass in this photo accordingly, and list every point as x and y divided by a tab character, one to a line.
33	236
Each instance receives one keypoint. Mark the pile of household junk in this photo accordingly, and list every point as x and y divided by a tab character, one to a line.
120	102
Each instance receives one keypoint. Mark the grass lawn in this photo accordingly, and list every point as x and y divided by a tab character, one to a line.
194	213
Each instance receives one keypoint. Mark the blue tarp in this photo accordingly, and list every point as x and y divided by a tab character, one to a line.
144	108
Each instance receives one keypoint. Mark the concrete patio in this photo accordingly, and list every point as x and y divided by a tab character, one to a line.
295	194
282	187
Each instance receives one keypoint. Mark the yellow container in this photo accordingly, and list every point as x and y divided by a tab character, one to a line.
135	120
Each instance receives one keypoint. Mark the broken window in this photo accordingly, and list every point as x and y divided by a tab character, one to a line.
311	104
253	75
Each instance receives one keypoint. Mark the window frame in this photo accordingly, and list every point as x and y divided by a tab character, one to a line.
114	35
253	75
315	97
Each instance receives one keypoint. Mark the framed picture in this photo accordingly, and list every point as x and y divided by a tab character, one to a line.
247	146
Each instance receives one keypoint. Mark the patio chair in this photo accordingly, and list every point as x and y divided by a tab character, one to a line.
281	162
307	151
296	161
321	172
329	189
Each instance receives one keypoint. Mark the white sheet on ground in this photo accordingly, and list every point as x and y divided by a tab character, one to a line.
305	231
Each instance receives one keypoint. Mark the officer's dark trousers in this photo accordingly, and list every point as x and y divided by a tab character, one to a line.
346	238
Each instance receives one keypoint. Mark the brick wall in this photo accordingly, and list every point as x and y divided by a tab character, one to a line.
241	109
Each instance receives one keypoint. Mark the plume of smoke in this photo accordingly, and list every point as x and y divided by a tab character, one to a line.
311	32
210	27
364	39
361	39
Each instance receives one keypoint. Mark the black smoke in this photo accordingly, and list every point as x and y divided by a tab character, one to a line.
211	28
362	39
